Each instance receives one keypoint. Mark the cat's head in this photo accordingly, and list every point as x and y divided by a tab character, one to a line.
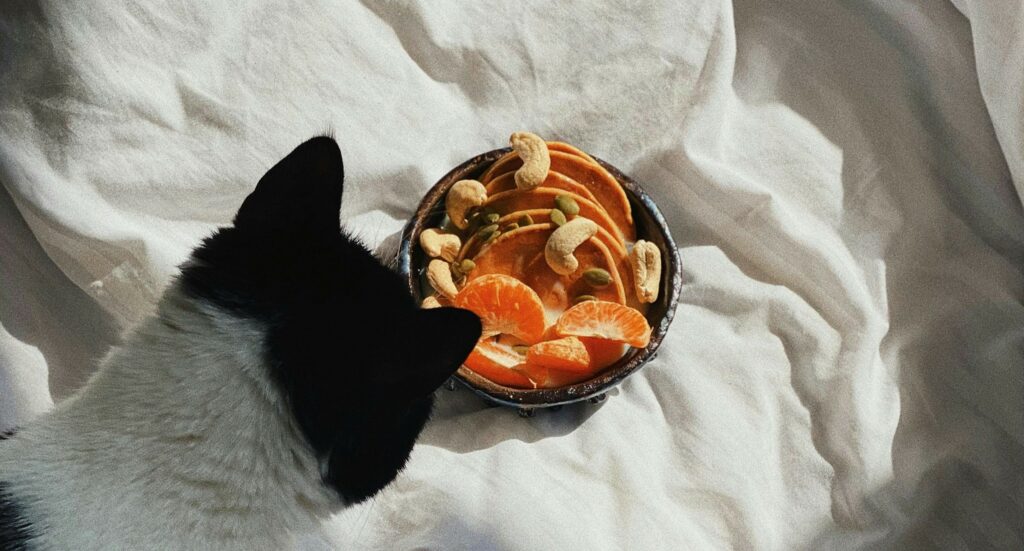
347	346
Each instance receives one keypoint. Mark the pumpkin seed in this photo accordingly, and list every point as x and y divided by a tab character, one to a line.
484	236
567	205
583	298
597	277
525	220
558	217
467	266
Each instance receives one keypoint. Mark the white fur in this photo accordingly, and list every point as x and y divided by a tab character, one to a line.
178	442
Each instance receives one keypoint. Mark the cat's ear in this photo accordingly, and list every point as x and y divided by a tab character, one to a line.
434	344
301	192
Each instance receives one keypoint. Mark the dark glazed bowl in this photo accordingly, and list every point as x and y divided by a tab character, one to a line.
650	225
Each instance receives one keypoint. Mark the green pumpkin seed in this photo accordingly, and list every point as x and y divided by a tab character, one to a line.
583	298
525	220
510	227
491	218
467	266
567	205
597	277
488	233
558	217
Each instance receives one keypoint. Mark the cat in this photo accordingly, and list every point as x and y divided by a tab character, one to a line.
285	374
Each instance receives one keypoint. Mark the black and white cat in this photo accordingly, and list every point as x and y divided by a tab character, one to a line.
285	375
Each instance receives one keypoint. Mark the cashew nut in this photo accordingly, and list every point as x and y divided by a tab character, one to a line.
536	159
437	244
439	274
563	242
430	302
462	196
645	259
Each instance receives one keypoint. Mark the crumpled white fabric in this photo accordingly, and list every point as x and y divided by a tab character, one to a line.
844	370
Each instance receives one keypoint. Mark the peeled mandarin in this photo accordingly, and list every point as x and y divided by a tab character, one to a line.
520	255
497	362
603	352
504	304
545	377
606	320
567	353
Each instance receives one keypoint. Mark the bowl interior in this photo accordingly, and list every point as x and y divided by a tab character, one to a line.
650	226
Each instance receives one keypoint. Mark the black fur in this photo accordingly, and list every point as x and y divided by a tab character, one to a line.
14	529
356	358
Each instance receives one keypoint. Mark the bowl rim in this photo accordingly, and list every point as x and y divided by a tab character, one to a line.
606	380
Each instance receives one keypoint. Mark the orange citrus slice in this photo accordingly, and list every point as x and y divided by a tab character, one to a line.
497	362
606	320
545	377
505	305
520	255
567	353
603	352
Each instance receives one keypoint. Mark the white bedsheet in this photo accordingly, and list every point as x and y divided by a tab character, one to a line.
845	368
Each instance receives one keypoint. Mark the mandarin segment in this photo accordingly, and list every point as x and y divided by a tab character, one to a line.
497	362
545	377
520	254
606	320
603	352
567	353
505	305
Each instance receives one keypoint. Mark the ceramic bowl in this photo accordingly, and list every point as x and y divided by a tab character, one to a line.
650	225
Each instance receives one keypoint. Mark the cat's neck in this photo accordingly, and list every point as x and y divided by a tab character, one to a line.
184	412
